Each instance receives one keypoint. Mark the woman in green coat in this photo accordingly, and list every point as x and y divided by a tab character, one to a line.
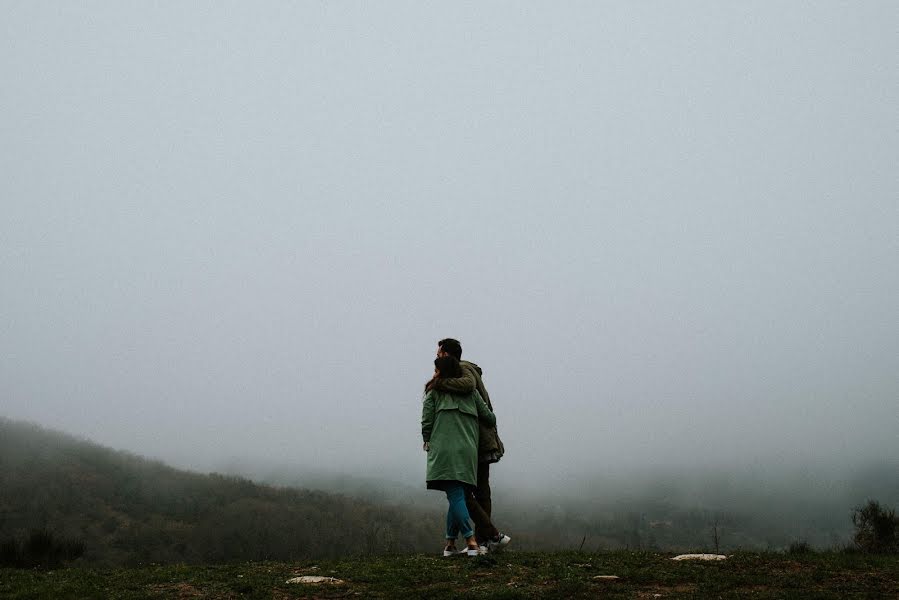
449	428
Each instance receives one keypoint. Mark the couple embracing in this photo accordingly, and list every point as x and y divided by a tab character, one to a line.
459	432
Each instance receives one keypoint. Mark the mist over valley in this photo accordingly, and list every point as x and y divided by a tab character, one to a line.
233	235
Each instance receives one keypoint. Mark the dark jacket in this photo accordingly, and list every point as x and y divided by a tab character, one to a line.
490	447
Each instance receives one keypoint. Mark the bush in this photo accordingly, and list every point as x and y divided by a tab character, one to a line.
875	528
40	549
10	553
799	547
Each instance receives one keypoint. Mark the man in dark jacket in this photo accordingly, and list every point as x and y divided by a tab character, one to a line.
490	447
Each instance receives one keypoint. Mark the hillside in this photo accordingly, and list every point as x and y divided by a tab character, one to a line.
128	510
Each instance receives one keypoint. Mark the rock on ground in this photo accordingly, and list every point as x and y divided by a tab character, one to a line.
315	579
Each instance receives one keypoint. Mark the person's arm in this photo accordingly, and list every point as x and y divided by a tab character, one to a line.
456	385
484	413
427	418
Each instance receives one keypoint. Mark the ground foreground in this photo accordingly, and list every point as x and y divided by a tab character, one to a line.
508	575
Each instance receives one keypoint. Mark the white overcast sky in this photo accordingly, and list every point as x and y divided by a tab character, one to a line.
668	231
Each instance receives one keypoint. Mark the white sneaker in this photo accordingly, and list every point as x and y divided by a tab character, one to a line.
498	543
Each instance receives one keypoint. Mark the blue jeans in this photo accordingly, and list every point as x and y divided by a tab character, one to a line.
457	518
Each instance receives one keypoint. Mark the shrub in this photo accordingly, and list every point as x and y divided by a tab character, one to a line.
799	547
875	528
10	553
40	549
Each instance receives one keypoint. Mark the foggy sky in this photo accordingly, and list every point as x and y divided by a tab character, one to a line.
668	232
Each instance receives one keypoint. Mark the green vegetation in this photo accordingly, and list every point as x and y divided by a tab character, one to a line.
40	549
66	500
122	509
509	575
876	528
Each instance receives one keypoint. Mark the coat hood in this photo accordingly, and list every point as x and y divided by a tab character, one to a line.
474	366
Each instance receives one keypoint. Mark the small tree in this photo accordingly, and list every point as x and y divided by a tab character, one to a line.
875	528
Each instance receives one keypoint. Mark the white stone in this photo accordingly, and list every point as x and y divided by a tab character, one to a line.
607	577
700	557
315	579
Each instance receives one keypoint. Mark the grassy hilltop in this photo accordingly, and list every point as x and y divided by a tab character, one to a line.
508	575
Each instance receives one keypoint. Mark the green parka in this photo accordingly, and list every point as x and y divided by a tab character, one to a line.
449	424
490	447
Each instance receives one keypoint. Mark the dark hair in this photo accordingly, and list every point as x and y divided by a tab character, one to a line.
451	347
448	366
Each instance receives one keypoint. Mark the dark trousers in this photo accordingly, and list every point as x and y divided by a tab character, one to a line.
480	506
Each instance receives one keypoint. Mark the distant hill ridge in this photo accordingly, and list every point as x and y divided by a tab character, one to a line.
128	509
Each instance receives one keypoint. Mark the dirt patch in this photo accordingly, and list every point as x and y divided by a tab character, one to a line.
752	589
182	591
657	591
791	566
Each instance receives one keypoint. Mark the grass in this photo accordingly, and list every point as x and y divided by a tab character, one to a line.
508	575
